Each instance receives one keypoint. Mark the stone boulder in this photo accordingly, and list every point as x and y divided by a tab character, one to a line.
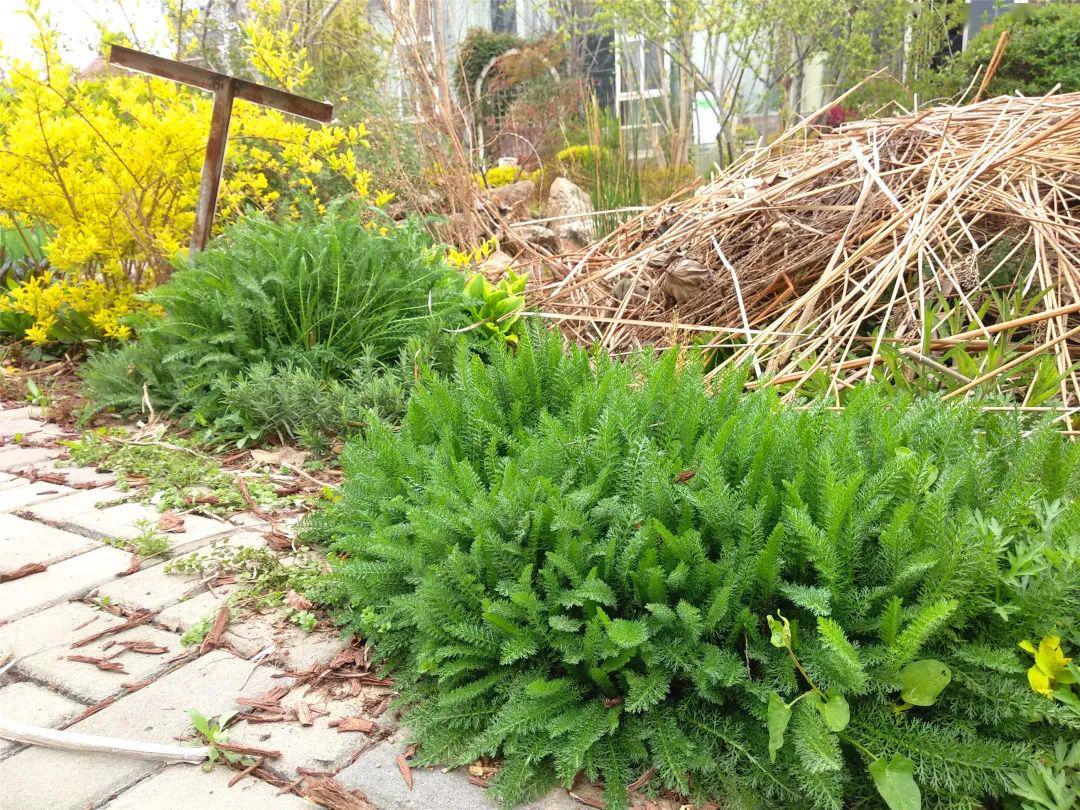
513	200
565	199
521	236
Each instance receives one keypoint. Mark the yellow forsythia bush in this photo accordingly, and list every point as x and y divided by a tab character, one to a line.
497	176
109	166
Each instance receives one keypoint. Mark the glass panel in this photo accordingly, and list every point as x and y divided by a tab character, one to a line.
653	78
630	65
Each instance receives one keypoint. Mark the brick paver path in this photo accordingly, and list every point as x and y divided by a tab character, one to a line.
62	526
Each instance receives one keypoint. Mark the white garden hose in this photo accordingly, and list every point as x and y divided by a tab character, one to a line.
77	741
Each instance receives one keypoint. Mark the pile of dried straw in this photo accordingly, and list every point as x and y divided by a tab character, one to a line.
797	257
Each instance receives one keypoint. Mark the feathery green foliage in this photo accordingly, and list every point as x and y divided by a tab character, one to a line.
328	305
568	563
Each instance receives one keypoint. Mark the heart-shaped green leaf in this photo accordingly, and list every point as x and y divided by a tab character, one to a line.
779	713
835	710
895	781
922	681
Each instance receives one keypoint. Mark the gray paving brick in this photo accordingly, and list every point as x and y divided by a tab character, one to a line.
292	647
53	628
21	412
9	428
89	684
182	787
154	589
65	579
13	457
15	496
376	774
126	521
317	747
79	501
151	588
26	702
157	713
183	614
27	541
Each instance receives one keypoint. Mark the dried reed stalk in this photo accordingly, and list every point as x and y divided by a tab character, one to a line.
814	254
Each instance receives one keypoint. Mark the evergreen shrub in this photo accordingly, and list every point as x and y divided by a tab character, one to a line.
274	307
1043	52
574	564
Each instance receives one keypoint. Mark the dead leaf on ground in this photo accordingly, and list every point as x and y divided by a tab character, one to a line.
376	707
213	638
361	724
47	477
144	646
298	602
303	714
406	771
136	564
22	571
100	663
171	522
278	541
282	457
326	792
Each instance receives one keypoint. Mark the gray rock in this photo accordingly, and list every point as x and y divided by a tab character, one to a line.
567	199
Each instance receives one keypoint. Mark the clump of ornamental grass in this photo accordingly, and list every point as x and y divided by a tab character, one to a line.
578	565
337	305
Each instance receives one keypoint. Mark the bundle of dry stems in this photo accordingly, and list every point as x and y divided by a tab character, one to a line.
812	253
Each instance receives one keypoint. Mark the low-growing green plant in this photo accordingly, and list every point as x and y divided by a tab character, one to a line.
198	631
263	577
333	298
294	404
213	732
1052	783
497	307
149	542
579	565
176	474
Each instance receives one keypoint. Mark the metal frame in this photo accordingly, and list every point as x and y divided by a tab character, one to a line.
225	89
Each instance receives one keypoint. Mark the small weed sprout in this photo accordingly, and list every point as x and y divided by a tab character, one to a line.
264	578
197	632
177	475
149	542
214	733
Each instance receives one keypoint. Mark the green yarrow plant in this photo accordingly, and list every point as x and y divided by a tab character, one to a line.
578	566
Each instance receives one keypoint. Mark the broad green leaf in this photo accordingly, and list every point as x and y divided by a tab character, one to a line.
781	631
200	723
922	681
895	781
779	713
627	634
835	710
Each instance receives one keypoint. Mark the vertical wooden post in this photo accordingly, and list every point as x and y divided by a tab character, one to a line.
213	164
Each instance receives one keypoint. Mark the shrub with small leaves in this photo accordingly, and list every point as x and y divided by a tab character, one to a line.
577	565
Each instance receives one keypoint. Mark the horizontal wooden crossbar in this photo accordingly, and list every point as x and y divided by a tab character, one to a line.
212	81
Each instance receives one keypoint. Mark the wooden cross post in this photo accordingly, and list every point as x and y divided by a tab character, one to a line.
225	89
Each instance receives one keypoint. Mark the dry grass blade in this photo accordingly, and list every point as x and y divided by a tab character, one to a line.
822	253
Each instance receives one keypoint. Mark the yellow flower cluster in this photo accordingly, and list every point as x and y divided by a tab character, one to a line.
72	309
1051	675
109	165
467	258
497	176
